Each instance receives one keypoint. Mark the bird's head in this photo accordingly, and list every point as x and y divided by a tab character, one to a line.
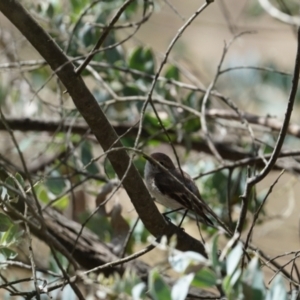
152	164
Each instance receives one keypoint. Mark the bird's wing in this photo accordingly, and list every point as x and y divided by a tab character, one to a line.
169	186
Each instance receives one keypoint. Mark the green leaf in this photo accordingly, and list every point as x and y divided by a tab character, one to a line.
5	222
253	281
20	179
55	183
24	144
10	182
109	170
78	5
50	11
114	54
149	61
8	253
192	100
192	125
131	89
226	285
214	253
181	260
151	122
138	290
204	278
62	203
277	290
181	287
101	95
172	72
10	236
43	195
87	156
143	60
3	193
87	35
158	289
131	9
233	259
105	234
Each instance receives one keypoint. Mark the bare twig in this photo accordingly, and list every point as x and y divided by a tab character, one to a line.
103	36
256	214
251	181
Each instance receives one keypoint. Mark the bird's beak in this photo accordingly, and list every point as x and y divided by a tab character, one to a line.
146	157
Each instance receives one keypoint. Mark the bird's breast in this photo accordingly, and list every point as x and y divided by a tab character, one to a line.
160	197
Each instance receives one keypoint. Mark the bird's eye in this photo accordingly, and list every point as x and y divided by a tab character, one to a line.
162	163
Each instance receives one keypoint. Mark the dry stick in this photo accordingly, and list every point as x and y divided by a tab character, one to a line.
22	265
227	16
263	69
209	141
174	10
81	15
229	197
120	182
31	255
8	285
294	267
65	64
37	228
204	104
129	25
40	63
27	229
70	152
125	259
96	119
256	214
276	152
297	284
95	211
25	124
54	125
149	96
129	235
23	163
66	275
50	239
192	296
227	101
246	161
80	277
286	274
103	36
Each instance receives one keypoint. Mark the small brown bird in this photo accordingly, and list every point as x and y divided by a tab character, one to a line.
170	193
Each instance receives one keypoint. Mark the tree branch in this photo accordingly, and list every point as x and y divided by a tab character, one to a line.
98	123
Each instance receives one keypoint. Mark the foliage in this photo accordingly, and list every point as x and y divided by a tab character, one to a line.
53	159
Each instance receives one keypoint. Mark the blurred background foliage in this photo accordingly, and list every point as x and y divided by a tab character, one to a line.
63	161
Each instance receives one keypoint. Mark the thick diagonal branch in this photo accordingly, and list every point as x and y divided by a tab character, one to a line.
98	123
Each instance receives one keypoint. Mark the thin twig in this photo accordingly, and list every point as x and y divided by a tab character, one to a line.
251	181
103	36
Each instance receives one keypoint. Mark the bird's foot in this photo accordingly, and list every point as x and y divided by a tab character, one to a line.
166	218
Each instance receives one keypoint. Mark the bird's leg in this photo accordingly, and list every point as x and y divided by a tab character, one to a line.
169	212
184	215
174	210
